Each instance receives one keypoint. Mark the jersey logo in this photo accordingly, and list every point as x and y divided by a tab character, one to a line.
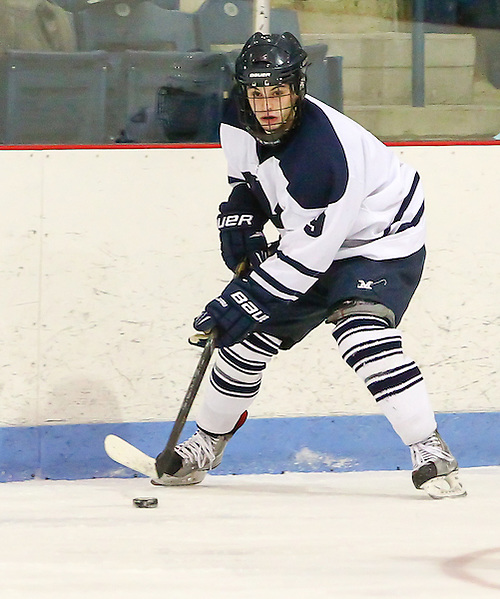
315	227
369	284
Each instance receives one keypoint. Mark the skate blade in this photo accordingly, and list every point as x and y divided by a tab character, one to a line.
193	478
444	486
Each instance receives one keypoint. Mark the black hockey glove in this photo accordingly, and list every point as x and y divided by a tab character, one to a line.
241	237
234	314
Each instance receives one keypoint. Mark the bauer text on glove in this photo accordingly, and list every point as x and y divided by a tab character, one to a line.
234	314
241	236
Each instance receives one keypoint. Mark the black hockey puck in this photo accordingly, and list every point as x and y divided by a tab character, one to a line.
145	502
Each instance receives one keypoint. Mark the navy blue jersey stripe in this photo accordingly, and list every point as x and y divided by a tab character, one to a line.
297	265
274	283
414	222
405	203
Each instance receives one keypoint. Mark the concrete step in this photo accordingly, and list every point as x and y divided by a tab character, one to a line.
434	122
377	67
377	85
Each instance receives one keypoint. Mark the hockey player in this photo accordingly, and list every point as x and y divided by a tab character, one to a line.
350	219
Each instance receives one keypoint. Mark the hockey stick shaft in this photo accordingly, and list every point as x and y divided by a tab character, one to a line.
164	459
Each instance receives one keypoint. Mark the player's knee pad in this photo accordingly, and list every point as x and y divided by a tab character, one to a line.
358	307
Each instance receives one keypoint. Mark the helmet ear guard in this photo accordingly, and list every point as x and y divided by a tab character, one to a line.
268	60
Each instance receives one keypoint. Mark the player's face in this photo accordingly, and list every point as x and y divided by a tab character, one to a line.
272	106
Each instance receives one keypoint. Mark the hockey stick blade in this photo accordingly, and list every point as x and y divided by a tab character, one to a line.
128	455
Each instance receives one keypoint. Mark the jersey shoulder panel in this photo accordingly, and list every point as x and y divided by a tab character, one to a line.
314	160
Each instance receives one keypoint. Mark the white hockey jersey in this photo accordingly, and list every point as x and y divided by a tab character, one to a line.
333	191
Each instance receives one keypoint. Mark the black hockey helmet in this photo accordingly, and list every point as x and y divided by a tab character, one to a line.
269	60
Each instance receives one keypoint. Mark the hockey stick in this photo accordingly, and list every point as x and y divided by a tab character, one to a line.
163	461
128	455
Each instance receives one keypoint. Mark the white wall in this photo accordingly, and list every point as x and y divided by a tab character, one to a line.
107	255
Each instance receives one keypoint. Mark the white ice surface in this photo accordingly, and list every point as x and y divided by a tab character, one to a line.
310	536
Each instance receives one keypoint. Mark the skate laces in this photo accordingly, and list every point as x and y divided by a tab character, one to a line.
199	449
430	450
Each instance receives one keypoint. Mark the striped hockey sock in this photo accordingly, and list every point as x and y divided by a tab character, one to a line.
374	351
235	380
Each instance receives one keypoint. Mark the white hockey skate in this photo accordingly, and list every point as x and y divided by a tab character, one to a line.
435	470
196	456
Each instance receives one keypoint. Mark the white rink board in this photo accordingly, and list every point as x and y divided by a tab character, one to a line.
107	256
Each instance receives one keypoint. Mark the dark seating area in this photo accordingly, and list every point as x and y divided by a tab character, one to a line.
143	71
54	97
174	96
